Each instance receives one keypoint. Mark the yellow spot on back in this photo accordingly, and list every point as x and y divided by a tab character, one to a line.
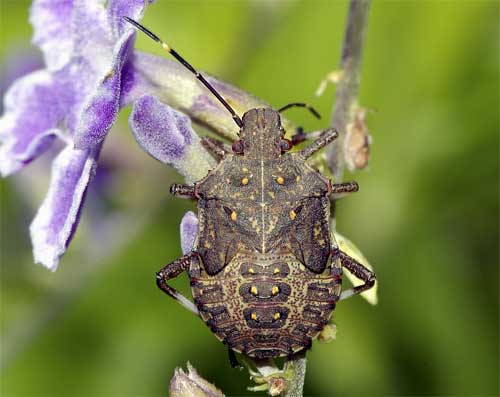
254	316
244	181
253	290
276	270
251	271
234	216
277	316
280	180
271	194
297	178
275	290
292	215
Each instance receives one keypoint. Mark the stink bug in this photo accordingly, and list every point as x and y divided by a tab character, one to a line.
265	272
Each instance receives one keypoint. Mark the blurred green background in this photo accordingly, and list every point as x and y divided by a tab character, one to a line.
426	215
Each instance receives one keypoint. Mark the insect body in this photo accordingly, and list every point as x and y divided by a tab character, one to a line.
265	274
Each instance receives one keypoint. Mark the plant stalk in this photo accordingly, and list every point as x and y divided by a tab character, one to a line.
346	93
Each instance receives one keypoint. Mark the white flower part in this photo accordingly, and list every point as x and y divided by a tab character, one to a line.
189	231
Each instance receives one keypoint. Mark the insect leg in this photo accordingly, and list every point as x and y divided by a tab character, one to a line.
324	139
180	190
172	270
233	360
299	136
359	271
340	190
214	146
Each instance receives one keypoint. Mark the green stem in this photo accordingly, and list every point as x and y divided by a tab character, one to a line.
296	384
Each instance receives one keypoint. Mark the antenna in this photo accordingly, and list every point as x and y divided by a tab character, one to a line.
198	75
301	105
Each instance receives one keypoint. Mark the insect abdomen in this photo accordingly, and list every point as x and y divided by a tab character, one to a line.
266	306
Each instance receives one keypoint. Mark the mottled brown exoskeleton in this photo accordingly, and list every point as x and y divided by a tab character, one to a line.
265	273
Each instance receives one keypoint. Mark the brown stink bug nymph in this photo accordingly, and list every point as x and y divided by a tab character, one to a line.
265	272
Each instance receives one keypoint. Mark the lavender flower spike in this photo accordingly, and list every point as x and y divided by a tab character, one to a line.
166	134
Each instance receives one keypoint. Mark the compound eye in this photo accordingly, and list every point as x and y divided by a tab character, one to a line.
285	145
237	147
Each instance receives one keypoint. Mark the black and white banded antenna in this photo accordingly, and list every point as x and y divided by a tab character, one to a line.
198	75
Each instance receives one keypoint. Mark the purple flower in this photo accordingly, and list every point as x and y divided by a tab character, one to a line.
75	98
92	72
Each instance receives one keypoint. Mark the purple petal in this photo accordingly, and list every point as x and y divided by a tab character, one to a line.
102	45
166	134
52	30
160	130
117	9
20	62
58	216
34	107
189	231
101	110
